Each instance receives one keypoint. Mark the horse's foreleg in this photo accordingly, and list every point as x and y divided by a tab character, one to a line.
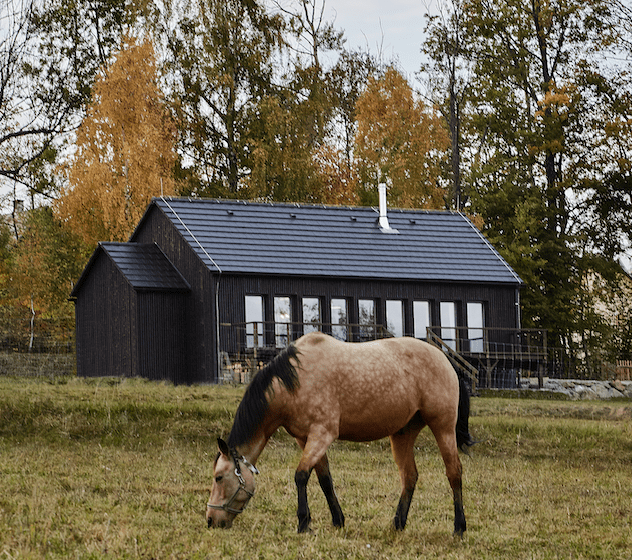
450	454
402	445
326	483
314	449
301	478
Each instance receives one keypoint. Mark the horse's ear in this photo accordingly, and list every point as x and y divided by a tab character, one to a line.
223	447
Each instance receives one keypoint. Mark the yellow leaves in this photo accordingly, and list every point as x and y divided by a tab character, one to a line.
401	141
340	180
553	115
556	102
125	150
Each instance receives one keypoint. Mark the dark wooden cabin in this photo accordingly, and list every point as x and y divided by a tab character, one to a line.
227	277
130	307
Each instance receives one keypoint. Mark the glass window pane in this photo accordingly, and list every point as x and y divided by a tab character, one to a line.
282	320
448	323
254	321
395	317
366	319
475	325
421	318
311	314
339	327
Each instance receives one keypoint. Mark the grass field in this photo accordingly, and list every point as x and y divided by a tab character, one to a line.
109	469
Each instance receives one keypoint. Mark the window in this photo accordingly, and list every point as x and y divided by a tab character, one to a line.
421	318
312	317
448	323
254	321
366	319
475	326
395	317
339	328
282	320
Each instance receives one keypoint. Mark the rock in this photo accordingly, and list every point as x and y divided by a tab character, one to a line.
618	385
605	391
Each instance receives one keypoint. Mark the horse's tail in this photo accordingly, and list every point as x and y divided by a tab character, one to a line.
463	438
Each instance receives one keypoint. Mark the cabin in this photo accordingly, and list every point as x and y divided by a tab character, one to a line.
204	284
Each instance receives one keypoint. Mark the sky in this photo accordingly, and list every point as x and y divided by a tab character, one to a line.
392	28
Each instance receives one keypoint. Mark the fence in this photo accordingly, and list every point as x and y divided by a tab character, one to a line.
48	350
623	370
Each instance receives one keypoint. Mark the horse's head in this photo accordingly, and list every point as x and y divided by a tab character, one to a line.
233	486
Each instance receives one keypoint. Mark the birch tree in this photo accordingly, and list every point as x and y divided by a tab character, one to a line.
124	151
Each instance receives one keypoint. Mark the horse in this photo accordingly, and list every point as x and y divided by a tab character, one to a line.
321	389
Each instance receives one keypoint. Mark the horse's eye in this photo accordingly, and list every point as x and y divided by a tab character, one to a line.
218	478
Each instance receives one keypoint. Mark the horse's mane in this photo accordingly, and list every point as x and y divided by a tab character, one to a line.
254	405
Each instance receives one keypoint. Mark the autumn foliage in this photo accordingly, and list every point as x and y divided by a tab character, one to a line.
125	150
400	141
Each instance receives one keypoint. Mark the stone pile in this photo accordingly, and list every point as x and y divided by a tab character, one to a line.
577	389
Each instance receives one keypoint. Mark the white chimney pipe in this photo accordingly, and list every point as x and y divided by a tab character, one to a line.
381	189
383	221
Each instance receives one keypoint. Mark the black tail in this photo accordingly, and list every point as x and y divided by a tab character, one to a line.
463	438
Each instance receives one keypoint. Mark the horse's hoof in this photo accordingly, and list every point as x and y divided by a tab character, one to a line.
339	521
398	525
304	526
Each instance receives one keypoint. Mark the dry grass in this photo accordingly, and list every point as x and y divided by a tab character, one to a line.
102	469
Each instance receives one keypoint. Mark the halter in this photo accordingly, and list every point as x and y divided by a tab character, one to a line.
227	507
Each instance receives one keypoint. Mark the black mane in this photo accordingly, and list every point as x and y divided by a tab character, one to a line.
254	405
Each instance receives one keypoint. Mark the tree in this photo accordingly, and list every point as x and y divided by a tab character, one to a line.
37	274
447	77
220	57
310	38
347	80
125	150
541	175
49	56
30	118
399	141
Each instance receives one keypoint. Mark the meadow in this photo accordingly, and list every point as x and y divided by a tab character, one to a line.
121	469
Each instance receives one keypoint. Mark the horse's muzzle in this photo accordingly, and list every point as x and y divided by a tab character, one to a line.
219	524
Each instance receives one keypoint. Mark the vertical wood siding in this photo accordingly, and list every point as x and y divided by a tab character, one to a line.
104	326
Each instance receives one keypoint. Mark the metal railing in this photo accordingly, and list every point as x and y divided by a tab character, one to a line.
493	358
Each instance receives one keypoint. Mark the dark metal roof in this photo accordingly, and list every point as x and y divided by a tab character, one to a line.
144	266
334	241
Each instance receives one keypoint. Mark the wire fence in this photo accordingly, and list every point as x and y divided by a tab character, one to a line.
39	348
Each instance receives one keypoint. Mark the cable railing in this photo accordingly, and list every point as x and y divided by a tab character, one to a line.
489	357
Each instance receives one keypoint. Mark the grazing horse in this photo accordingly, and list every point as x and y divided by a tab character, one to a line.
320	389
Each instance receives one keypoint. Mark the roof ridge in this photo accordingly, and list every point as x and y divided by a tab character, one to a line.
307	205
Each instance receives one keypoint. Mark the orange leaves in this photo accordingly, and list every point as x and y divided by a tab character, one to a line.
401	141
125	150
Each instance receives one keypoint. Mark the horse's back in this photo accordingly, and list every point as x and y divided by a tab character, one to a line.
374	388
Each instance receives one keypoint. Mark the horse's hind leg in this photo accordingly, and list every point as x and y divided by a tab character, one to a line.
326	483
403	447
446	439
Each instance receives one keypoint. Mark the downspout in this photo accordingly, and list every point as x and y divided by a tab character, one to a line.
217	339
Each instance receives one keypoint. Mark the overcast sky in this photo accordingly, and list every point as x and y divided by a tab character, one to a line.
392	28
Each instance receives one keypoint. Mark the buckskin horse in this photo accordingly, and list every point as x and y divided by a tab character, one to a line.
321	389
